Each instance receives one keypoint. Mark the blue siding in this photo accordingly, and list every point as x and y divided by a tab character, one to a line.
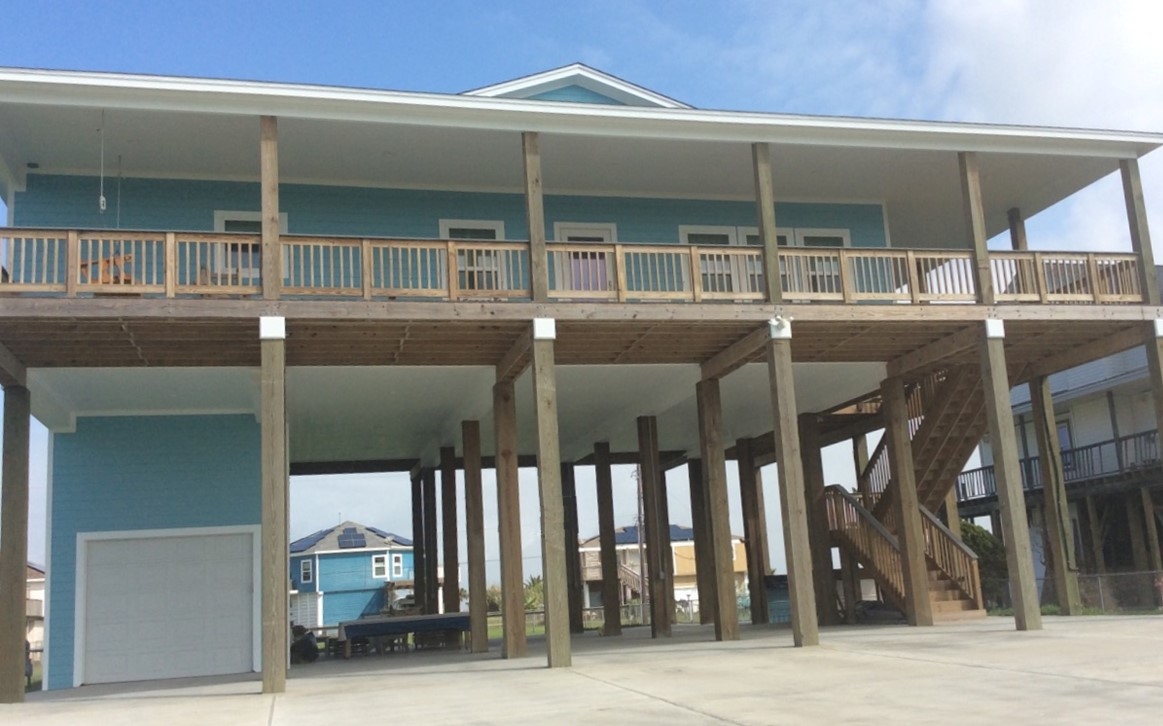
351	605
131	473
348	571
576	94
170	204
296	572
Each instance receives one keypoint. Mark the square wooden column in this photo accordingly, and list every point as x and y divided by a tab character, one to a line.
754	531
275	485
918	605
1153	340
535	213
657	545
419	568
765	214
823	572
611	583
1155	557
850	575
1059	528
1007	471
664	531
793	509
1135	518
449	539
952	513
513	642
14	542
704	557
722	560
553	563
272	268
431	557
474	525
1140	232
1097	526
975	225
573	572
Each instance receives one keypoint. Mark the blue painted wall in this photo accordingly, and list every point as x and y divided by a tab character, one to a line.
576	94
296	572
173	471
345	578
189	205
351	605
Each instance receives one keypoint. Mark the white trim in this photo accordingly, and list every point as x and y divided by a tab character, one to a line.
497	226
608	231
44	655
222	257
844	234
272	327
576	74
686	230
397	559
308	577
544	329
85	538
348	551
384	563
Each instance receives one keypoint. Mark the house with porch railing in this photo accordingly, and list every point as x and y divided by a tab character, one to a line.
562	270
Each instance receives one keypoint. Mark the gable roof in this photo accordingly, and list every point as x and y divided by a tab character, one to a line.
348	536
577	75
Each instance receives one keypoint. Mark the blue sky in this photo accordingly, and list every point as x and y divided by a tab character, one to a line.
1058	62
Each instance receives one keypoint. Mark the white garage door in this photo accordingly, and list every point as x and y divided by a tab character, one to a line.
168	607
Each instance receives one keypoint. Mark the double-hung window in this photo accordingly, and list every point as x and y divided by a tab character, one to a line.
306	572
585	270
380	567
476	269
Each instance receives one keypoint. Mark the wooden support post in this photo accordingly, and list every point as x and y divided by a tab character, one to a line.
704	557
1059	530
793	509
1017	230
513	642
754	539
611	582
850	574
975	225
860	461
1007	472
419	568
557	643
272	267
1140	232
657	550
474	525
535	213
1096	526
1135	529
765	214
953	513
918	606
431	538
664	533
449	538
14	543
823	572
1153	340
1154	558
710	413
275	484
573	574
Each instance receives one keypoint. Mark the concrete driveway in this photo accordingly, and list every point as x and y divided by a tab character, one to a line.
1084	670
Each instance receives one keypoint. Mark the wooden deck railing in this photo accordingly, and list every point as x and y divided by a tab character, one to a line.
951	556
875	547
180	263
1124	455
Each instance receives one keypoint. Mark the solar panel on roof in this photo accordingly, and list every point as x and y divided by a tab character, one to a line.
379	533
351	541
349	530
310	540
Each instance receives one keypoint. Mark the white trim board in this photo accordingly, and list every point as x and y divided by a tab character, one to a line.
83	540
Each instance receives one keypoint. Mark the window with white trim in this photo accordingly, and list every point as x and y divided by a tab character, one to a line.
241	261
306	571
380	567
481	229
475	269
594	232
397	564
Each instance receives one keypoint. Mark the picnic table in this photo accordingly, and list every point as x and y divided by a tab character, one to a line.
387	625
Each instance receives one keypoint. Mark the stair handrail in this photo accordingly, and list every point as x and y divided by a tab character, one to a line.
877	548
952	557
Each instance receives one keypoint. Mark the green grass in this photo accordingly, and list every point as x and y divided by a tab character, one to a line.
1053	609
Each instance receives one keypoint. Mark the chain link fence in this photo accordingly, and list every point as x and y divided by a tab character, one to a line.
1111	593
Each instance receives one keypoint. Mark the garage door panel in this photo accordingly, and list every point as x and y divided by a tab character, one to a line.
168	607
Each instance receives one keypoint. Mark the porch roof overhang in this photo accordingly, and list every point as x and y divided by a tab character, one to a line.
199	128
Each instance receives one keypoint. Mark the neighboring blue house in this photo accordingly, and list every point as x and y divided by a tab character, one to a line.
341	573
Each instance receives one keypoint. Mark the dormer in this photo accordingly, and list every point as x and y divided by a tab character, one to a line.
577	83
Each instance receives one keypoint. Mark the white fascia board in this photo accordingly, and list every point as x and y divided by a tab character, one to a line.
250	98
583	76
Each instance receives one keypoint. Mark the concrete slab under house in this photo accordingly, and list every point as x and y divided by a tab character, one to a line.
563	270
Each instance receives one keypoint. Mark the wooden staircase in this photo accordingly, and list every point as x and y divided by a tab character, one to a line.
954	579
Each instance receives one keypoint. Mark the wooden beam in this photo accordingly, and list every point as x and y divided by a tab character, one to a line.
573	573
516	360
652	491
272	267
364	466
611	583
670	458
1155	558
765	215
448	526
918	606
1017	230
793	509
819	536
704	557
1140	232
722	558
1135	517
952	514
275	484
474	525
935	352
975	225
1115	343
1007	471
736	355
1096	526
12	370
513	641
557	643
1059	530
14	542
535	213
754	539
